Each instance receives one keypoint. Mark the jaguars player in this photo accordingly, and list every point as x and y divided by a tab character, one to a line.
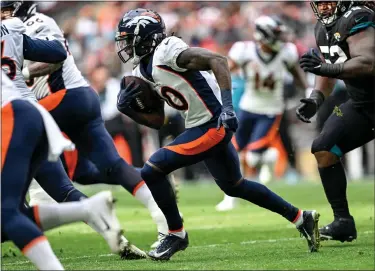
266	64
178	74
345	36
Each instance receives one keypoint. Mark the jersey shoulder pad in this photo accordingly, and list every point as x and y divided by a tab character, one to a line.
14	25
168	51
355	20
240	52
41	26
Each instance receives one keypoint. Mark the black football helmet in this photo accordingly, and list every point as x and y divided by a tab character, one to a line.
138	33
26	10
14	5
327	19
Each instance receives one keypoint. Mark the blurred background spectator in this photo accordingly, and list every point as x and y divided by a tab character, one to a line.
90	30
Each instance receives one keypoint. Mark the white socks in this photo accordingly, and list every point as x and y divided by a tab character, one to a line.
40	253
180	234
299	219
143	194
54	215
38	195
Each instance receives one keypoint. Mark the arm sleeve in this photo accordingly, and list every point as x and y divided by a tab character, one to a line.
43	50
236	53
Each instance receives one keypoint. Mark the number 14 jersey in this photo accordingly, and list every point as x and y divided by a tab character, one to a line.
332	43
264	75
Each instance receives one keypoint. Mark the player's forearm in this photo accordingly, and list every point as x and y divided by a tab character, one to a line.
324	85
359	66
37	69
299	77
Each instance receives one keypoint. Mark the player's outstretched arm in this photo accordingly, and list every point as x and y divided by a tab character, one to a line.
325	85
43	50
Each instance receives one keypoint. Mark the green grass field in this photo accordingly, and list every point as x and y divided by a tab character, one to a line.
247	238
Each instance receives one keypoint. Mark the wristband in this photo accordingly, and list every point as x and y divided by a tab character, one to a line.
317	96
226	98
26	73
331	70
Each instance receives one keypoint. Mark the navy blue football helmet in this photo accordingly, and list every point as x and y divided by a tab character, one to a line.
138	33
26	10
12	5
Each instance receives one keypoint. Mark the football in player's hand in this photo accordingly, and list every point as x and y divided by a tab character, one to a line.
148	100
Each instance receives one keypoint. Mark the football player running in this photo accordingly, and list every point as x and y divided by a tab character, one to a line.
345	36
75	107
265	65
178	74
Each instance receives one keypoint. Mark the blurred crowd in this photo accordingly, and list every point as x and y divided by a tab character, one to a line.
90	30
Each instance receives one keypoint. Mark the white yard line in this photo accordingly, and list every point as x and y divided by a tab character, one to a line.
250	242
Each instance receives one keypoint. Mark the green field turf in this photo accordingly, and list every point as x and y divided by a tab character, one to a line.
247	238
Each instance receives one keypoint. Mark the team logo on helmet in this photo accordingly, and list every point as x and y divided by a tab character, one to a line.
141	20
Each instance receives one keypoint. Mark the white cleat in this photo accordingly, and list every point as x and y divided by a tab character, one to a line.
102	216
227	204
161	237
129	251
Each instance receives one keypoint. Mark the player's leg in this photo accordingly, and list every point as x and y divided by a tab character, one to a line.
224	167
345	130
190	147
96	145
20	152
246	123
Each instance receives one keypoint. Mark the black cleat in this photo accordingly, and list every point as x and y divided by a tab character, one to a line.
168	247
341	229
310	230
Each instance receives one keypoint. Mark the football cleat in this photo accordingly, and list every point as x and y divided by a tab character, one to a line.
227	204
309	229
161	236
101	214
341	229
129	251
168	247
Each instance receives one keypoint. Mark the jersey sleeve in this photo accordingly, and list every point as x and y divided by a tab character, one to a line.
15	25
236	53
290	55
357	19
170	49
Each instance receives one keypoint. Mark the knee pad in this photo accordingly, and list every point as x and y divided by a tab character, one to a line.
317	145
253	158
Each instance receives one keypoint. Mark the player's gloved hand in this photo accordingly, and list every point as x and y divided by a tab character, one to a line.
227	117
309	106
311	62
126	95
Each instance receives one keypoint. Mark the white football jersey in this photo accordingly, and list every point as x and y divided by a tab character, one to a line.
264	77
68	77
195	94
12	60
8	90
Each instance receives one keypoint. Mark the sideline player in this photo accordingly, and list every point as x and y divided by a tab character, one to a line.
345	36
179	75
265	64
76	108
28	135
